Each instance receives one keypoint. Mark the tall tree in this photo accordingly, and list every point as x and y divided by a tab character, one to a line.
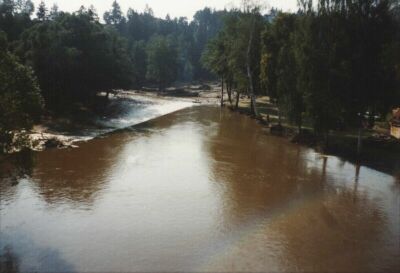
20	99
253	16
139	59
162	65
24	6
42	12
216	60
75	57
15	17
114	16
54	12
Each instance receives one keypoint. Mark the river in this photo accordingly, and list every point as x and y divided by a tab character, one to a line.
198	190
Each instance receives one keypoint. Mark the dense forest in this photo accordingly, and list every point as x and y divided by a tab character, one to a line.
330	63
68	58
333	63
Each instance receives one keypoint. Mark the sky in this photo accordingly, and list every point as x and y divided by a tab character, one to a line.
175	8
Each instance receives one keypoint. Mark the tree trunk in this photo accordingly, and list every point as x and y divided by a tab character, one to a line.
250	76
327	139
359	141
371	119
237	99
324	165
222	91
299	124
229	91
359	138
279	117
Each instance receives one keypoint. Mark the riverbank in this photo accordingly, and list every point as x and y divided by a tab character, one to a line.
122	109
379	150
129	107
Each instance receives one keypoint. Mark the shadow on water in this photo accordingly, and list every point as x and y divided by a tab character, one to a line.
75	175
12	169
78	175
341	232
257	171
8	261
319	222
18	253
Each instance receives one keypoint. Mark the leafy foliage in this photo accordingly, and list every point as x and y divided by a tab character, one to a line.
330	63
75	57
161	61
20	99
235	53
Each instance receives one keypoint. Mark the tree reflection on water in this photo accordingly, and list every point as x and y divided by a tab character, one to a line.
8	261
12	169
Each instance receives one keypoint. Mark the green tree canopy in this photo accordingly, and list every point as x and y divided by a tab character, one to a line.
75	57
162	62
20	99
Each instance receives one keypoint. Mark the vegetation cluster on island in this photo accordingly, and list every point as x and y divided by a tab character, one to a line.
332	65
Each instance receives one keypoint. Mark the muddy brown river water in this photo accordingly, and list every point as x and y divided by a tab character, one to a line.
199	190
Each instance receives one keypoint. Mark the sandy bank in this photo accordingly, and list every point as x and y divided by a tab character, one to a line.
124	109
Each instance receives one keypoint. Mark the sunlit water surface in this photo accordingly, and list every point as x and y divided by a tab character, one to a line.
202	189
